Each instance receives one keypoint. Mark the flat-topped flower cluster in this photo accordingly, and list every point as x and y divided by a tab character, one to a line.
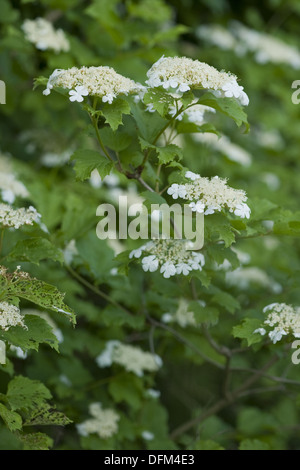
44	36
10	315
10	217
210	195
282	319
102	81
103	422
174	74
10	186
132	358
169	256
182	74
238	37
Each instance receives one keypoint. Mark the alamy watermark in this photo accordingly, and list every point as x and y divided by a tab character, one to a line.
296	354
2	92
137	221
295	95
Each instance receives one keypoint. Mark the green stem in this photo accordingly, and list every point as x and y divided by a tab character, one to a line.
94	289
95	124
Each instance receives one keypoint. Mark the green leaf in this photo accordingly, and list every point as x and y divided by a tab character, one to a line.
204	314
149	125
246	330
36	441
218	227
113	113
226	300
208	444
117	141
12	420
45	415
38	332
42	294
124	390
165	154
160	100
112	316
88	160
152	198
35	249
228	106
168	153
253	444
25	394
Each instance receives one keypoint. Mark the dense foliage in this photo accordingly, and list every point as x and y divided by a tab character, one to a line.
101	348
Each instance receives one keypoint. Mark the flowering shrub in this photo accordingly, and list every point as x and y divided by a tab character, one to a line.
117	343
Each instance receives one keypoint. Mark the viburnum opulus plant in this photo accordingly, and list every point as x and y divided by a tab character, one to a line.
137	132
177	91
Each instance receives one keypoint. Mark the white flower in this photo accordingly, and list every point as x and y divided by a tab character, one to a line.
150	108
232	89
151	392
166	318
78	93
276	335
47	90
147	435
211	210
136	253
198	261
183	87
242	210
150	263
176	190
261	331
168	269
108	98
183	268
191	175
197	206
170	84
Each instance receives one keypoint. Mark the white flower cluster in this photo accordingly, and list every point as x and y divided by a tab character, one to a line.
241	39
182	74
283	319
132	358
210	195
104	422
15	218
102	81
10	187
244	277
225	146
42	33
182	316
217	35
266	48
53	159
170	256
10	315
